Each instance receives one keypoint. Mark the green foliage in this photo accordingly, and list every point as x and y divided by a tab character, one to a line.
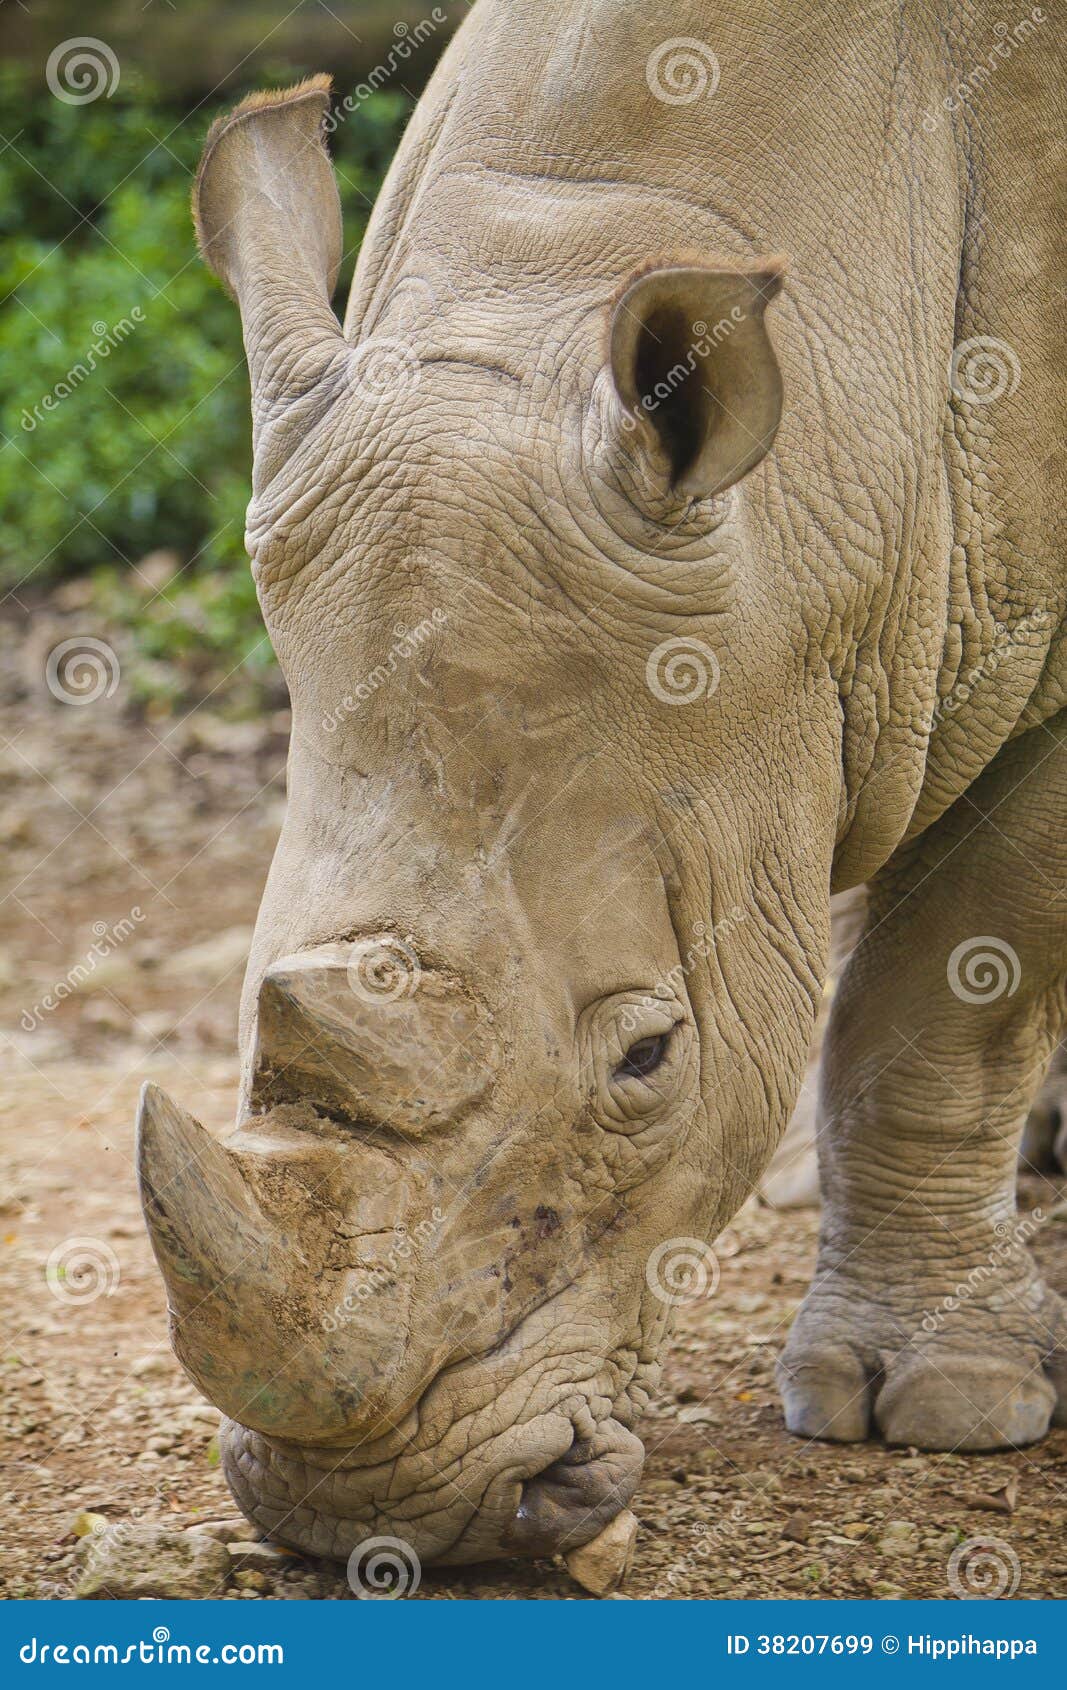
124	408
200	632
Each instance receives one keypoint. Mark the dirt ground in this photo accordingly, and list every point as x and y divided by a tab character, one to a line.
151	839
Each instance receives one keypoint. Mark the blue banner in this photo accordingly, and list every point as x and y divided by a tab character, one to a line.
538	1644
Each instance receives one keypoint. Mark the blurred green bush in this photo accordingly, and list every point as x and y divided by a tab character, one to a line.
124	407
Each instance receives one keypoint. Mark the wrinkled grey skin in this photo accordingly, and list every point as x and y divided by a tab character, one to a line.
791	1181
562	845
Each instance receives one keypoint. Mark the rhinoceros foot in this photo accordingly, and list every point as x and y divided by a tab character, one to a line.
957	1374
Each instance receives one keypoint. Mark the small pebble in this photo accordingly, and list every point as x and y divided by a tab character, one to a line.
797	1528
602	1565
249	1579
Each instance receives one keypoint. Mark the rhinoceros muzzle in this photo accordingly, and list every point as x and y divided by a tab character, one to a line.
326	1292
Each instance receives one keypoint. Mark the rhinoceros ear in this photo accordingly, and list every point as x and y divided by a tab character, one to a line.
696	373
268	220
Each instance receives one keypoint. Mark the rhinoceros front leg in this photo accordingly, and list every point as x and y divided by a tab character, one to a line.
927	1318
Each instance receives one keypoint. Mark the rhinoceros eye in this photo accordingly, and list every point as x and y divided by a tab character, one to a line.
643	1058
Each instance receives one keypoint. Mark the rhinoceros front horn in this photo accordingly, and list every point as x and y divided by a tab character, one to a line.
254	1255
220	1258
202	1220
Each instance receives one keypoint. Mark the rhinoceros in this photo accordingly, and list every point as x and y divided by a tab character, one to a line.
671	536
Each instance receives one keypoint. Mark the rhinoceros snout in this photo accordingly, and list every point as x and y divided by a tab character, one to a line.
364	1029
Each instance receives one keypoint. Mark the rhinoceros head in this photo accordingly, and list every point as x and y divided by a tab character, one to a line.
526	1004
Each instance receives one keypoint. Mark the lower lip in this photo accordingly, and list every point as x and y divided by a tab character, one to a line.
569	1503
